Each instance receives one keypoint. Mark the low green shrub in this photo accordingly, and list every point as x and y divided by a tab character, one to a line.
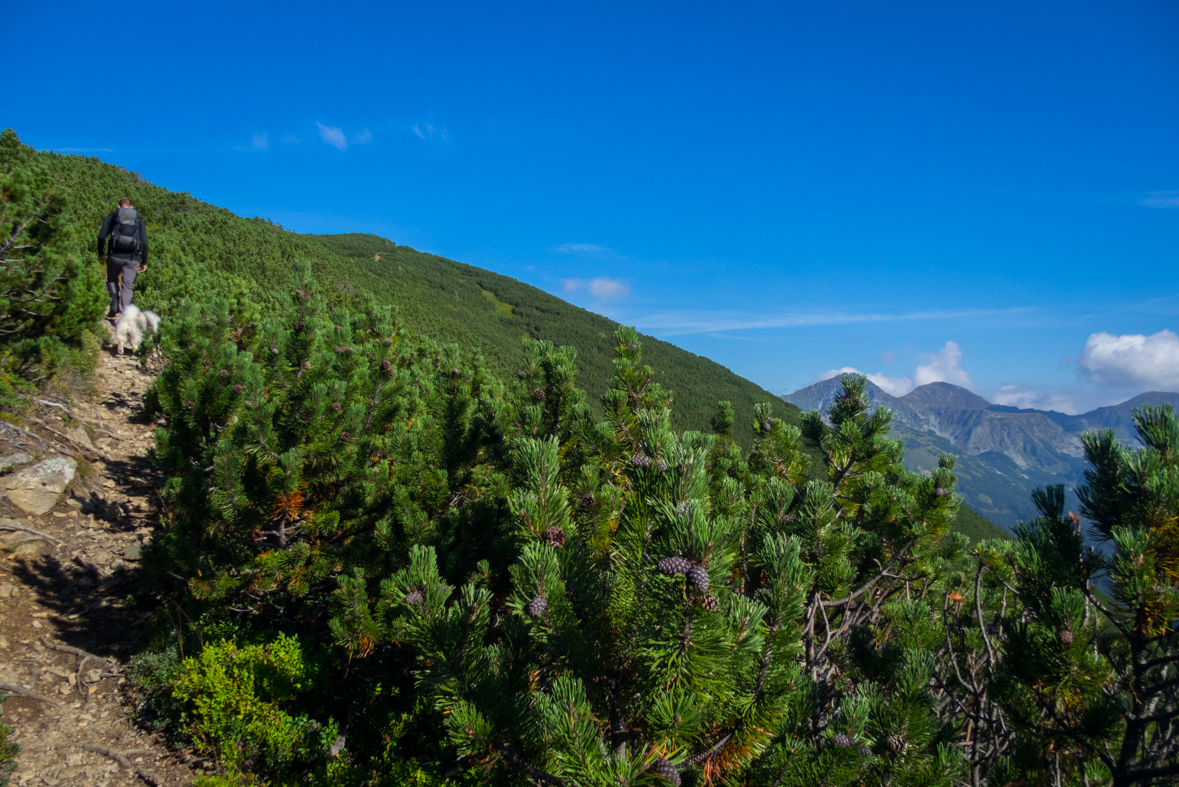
8	749
235	696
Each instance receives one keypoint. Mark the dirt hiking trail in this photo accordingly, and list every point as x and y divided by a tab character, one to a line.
71	590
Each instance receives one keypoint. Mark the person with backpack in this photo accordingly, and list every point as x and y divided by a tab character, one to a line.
123	241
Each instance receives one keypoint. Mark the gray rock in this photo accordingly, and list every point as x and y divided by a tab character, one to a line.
7	591
133	552
27	544
35	489
80	435
12	460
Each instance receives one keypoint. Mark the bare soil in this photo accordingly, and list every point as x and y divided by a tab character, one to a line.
81	593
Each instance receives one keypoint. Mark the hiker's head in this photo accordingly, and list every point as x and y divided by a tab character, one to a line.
125	202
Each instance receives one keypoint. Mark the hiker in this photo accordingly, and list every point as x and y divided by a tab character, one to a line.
126	256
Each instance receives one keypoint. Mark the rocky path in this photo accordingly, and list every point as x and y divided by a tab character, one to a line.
71	600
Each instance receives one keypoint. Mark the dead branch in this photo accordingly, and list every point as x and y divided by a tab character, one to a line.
121	758
61	646
4	526
21	691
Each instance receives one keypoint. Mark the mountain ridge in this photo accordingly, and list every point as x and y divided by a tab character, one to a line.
1004	452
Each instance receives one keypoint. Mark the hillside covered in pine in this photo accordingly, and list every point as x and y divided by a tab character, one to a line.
421	524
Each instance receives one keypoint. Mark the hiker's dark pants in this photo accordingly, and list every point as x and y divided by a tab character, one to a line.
124	268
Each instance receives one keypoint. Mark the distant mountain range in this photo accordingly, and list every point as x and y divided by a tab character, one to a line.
1005	452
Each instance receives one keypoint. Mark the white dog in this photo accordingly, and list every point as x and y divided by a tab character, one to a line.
131	325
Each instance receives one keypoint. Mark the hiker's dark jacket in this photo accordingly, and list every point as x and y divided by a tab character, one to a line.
108	226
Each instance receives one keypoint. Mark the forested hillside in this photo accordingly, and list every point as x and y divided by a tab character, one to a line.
201	251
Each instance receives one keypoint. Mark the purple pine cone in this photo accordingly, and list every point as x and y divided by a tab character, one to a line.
698	577
674	565
666	770
537	607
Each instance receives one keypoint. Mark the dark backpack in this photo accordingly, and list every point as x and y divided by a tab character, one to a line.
125	233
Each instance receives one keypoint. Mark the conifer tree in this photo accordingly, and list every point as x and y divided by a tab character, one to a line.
1092	680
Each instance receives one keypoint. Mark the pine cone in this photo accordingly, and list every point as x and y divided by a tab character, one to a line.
661	465
698	577
640	460
633	346
588	501
538	394
336	406
896	744
665	768
555	536
415	598
710	603
386	366
273	350
865	751
940	492
841	740
537	607
223	373
1066	636
767	425
189	404
238	389
345	436
674	565
306	364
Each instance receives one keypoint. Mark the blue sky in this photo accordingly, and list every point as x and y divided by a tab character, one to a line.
984	193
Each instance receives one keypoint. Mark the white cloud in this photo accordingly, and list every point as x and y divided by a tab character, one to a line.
943	368
289	139
1132	358
1161	199
333	136
675	323
580	248
362	136
897	386
1037	398
601	287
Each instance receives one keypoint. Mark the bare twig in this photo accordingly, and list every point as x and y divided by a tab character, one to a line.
61	646
5	526
121	758
12	688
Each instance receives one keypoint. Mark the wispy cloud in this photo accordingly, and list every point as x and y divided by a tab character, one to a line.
1161	199
333	135
601	288
260	142
581	248
289	139
83	150
678	323
361	137
427	131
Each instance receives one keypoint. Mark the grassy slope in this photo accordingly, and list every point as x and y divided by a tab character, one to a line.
202	251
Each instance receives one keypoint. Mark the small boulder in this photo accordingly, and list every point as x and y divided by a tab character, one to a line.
14	460
25	544
35	489
133	552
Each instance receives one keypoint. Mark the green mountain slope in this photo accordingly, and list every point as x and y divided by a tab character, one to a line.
202	251
453	302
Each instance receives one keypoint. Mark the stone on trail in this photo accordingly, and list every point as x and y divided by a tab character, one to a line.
36	489
12	460
133	552
25	544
